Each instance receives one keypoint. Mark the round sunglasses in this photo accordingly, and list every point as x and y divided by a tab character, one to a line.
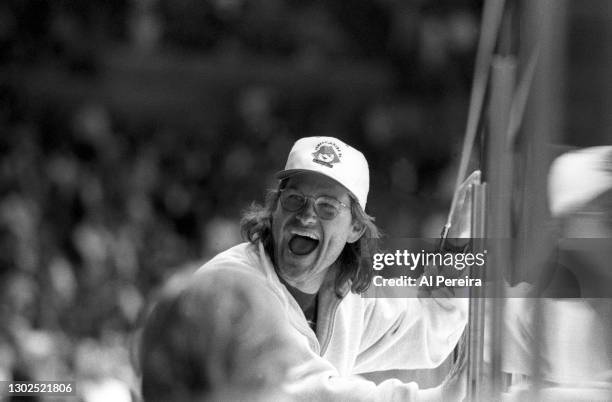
326	207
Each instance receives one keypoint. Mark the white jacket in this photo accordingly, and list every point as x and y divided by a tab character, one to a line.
356	335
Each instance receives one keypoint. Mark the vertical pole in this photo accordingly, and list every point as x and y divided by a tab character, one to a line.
476	323
491	19
499	168
544	25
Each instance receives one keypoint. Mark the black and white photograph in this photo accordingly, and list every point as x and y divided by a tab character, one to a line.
281	200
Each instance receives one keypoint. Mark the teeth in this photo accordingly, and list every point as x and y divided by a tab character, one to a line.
305	234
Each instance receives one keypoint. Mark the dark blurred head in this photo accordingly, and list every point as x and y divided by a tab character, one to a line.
218	338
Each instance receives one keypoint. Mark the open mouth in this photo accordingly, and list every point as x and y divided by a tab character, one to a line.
302	245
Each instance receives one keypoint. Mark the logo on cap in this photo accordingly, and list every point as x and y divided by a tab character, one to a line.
327	153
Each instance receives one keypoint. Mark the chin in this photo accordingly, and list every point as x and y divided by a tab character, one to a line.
294	270
293	278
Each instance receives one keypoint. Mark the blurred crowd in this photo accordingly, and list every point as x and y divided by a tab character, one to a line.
101	203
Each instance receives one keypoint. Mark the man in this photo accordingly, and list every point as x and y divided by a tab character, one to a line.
307	243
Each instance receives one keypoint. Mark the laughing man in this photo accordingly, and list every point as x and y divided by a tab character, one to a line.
306	245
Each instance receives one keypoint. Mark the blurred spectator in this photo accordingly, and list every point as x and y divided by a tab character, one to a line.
220	234
580	198
571	329
216	337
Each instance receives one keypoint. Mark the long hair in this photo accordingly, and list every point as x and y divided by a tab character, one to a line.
354	265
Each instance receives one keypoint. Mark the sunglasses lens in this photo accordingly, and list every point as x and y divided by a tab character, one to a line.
326	210
292	201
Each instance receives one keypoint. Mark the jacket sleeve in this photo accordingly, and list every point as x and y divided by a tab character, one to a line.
411	333
315	379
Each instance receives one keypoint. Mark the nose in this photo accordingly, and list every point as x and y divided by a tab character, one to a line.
307	215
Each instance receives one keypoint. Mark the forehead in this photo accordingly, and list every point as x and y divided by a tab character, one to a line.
317	184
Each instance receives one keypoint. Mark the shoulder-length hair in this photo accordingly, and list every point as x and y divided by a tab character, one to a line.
354	263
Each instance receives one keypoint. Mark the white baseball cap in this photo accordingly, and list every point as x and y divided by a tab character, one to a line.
578	177
333	158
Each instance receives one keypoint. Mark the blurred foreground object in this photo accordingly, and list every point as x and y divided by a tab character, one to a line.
576	178
570	339
217	337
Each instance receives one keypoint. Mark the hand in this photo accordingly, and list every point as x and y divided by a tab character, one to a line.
454	386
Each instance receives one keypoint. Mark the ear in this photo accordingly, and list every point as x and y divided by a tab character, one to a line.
357	230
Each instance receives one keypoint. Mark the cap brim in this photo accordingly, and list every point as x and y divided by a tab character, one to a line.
284	174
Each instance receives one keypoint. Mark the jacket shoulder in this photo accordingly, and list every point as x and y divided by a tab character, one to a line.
242	257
